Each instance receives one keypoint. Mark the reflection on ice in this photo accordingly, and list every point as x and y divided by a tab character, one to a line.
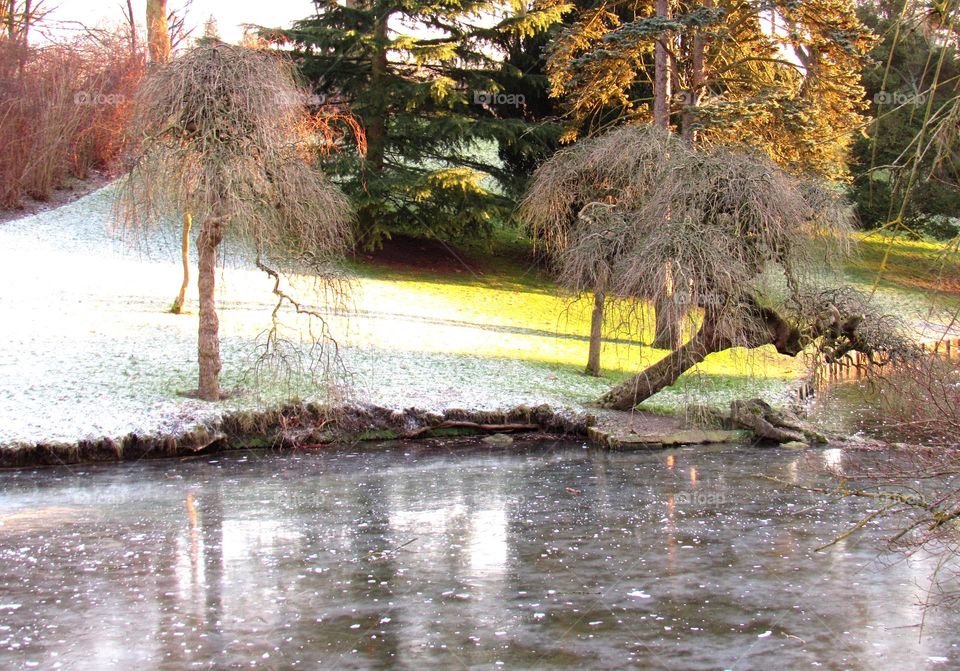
487	542
418	559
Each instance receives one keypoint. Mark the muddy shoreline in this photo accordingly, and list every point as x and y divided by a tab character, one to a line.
303	426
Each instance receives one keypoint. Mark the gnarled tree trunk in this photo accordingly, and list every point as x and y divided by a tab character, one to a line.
665	372
208	345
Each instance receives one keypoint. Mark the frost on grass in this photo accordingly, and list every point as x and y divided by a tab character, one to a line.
87	349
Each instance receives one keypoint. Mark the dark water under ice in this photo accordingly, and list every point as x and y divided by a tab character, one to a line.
537	557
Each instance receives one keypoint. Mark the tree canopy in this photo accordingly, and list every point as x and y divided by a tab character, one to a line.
780	76
439	89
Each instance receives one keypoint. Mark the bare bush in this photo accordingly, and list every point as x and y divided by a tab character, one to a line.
915	401
222	133
62	112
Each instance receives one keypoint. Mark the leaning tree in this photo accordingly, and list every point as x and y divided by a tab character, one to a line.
579	203
221	132
728	223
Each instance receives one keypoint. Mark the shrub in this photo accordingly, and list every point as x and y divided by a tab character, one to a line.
62	112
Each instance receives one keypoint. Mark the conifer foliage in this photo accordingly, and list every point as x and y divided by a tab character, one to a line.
779	75
438	97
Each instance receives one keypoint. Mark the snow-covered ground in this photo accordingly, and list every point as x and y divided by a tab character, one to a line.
87	349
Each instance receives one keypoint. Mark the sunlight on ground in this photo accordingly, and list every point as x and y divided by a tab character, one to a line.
88	348
916	272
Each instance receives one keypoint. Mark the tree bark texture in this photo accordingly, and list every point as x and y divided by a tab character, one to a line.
596	333
158	34
208	345
665	372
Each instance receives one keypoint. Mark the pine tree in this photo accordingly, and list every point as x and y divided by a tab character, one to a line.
440	102
779	75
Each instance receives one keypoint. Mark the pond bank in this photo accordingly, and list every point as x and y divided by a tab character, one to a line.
310	425
293	426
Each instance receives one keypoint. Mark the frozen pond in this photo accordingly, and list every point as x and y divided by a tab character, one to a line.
540	557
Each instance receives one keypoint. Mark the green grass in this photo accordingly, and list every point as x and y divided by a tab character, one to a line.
509	311
919	273
498	306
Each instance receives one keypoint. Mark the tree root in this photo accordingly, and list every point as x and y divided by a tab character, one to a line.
770	424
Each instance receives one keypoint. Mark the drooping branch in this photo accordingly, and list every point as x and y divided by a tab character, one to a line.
329	347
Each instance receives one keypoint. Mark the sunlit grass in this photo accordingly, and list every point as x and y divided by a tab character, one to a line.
524	317
917	270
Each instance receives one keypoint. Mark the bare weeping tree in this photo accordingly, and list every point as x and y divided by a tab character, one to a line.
722	222
578	203
221	133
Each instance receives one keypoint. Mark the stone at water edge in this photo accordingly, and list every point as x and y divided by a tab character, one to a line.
497	439
795	445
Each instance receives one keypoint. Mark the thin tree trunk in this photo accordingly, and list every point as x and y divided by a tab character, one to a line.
664	373
596	333
668	319
181	298
24	37
211	233
377	121
133	28
667	330
698	80
158	34
661	77
375	124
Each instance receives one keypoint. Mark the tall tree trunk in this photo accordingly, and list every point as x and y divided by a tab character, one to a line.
377	118
374	117
661	76
158	34
24	36
132	23
669	332
665	372
181	298
208	344
596	333
697	82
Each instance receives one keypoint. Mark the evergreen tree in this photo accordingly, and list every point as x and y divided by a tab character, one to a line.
779	75
899	80
441	92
